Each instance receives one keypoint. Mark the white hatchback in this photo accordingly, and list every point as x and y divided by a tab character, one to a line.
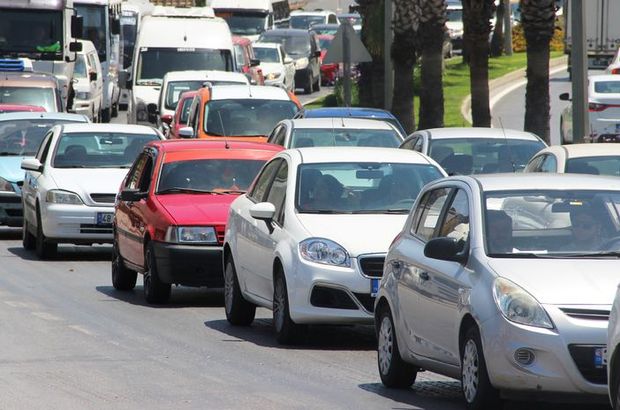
309	238
70	186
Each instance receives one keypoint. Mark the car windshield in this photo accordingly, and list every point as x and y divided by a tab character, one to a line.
455	15
551	222
607	87
600	165
154	63
31	32
176	88
361	187
336	137
295	45
304	22
187	104
245	23
79	70
94	28
208	175
267	55
483	155
99	149
42	97
245	117
129	27
23	137
319	29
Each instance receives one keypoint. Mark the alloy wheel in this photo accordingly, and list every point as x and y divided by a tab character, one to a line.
386	345
470	371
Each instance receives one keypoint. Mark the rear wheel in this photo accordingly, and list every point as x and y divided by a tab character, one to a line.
317	84
394	371
105	115
287	331
155	291
122	278
239	312
28	239
114	110
43	247
308	87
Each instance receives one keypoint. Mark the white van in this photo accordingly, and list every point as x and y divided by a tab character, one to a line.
88	83
174	39
249	18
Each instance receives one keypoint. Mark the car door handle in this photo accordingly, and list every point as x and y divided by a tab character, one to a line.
424	276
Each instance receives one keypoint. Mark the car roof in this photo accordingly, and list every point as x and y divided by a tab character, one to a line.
604	77
185	149
542	181
311	12
124	128
353	112
353	123
20	107
205	75
585	150
286	32
479	132
317	155
14	116
28	79
259	92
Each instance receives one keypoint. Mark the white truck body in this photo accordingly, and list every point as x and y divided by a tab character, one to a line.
249	18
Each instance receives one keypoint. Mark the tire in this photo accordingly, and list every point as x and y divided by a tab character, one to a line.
155	291
478	392
43	248
122	278
105	115
287	331
317	84
394	371
114	112
28	239
616	404
308	87
239	312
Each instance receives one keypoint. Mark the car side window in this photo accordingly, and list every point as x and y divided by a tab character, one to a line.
272	137
263	180
332	19
419	144
280	135
549	164
277	192
45	147
408	144
534	164
147	173
428	213
133	178
456	220
191	120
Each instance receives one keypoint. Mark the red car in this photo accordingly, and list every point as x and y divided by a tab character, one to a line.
20	108
171	213
246	61
181	114
329	72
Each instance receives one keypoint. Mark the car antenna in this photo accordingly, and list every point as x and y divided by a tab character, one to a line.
512	163
219	115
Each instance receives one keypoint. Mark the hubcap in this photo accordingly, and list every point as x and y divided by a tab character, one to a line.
470	371
228	288
386	345
278	305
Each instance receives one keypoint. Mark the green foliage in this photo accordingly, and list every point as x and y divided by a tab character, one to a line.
557	42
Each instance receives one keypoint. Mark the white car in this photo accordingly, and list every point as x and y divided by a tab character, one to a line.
278	68
595	159
88	83
613	353
614	66
603	107
454	24
309	238
304	19
70	186
330	132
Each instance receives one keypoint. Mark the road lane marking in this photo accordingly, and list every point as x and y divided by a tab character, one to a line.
46	316
81	330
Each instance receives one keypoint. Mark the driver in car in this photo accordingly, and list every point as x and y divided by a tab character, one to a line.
587	230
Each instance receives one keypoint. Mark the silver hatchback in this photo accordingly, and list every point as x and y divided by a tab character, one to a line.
505	282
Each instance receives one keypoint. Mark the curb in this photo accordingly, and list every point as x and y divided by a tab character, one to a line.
501	86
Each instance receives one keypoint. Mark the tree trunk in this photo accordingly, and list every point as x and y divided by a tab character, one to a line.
537	105
402	102
431	81
370	84
497	41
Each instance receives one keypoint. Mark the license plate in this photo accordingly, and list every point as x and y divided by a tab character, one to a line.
600	357
374	287
105	218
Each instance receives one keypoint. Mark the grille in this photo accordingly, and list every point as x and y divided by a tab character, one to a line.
14	212
583	356
331	298
220	231
92	228
372	266
103	198
10	200
366	300
589	314
524	356
12	65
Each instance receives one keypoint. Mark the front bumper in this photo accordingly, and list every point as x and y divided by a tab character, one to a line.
75	223
558	365
11	209
189	265
323	294
302	77
84	107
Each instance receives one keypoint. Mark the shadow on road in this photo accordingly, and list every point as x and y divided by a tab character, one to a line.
181	297
317	338
68	253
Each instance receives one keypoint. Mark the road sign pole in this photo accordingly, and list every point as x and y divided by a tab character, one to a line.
579	72
346	54
388	37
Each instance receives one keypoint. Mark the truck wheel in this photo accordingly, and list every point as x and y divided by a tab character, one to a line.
114	110
105	115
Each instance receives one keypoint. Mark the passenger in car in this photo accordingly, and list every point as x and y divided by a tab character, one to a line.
499	232
326	194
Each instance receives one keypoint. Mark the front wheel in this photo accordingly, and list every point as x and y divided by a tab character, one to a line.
28	239
239	312
394	371
287	331
477	389
309	82
155	291
43	247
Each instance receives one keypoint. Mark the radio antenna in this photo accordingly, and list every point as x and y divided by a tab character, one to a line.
512	163
219	115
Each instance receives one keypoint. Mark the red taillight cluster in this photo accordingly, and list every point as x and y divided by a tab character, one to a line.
615	70
595	107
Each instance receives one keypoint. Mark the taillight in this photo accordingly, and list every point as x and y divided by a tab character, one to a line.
615	70
595	107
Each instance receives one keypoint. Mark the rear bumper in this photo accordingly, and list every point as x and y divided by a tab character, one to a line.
189	265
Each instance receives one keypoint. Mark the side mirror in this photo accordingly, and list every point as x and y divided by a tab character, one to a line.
264	211
166	119
116	26
77	26
565	97
445	249
152	111
254	62
92	76
75	46
132	195
288	60
32	164
186	132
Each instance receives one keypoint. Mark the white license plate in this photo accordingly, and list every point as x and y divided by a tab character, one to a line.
374	287
600	357
105	218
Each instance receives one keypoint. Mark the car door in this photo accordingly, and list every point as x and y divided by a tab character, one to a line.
408	271
30	186
443	285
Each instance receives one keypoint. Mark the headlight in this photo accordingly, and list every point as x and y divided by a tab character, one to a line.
191	234
63	197
6	186
301	63
82	95
324	251
519	306
273	76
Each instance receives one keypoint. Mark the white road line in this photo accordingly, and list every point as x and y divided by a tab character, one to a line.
81	330
46	316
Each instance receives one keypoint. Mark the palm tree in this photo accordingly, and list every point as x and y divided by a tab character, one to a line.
430	38
404	58
497	40
370	84
477	27
538	20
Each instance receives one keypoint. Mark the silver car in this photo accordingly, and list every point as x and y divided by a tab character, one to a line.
613	351
505	282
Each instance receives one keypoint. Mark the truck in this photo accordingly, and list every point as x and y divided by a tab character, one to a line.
45	32
249	18
601	28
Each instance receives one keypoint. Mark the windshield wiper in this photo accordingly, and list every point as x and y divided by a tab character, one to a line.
231	191
320	211
149	82
7	153
176	190
596	254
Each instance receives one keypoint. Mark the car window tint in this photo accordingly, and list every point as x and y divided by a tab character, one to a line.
263	180
549	164
133	179
430	211
277	192
456	221
145	180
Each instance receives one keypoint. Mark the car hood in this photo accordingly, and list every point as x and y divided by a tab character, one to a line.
563	281
146	93
269	68
198	209
358	234
10	168
84	181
